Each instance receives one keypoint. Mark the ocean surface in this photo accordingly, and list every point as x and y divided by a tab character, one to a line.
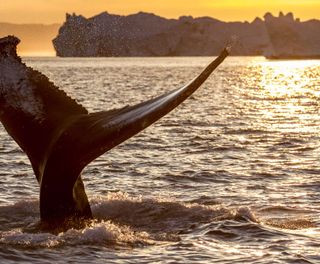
230	176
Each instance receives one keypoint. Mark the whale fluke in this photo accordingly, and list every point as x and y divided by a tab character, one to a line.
60	137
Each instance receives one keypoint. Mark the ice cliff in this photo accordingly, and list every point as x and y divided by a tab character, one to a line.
145	34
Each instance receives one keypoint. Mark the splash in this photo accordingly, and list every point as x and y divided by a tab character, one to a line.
120	219
129	221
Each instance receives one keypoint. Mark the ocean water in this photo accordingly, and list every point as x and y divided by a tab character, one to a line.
230	176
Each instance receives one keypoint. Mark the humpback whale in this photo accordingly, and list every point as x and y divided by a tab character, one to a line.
60	137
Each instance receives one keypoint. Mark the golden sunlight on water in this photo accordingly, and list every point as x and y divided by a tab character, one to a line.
285	78
231	176
289	92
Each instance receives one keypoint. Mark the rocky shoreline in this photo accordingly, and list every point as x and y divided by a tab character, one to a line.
145	34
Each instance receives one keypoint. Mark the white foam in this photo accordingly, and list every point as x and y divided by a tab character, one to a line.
247	213
104	232
124	220
19	238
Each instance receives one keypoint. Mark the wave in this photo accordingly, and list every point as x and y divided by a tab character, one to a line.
122	220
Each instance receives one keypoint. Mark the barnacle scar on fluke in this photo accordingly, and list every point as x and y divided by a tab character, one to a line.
61	137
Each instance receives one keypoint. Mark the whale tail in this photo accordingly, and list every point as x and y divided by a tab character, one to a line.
72	140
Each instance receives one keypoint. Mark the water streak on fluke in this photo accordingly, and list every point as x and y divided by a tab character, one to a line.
233	41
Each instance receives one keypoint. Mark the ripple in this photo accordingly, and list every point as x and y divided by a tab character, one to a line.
238	165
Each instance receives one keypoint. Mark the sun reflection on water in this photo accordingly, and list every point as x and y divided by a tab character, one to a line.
247	143
288	96
285	78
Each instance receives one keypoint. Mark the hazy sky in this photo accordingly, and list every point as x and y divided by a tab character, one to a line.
52	11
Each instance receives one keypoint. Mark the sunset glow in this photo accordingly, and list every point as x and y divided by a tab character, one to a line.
39	11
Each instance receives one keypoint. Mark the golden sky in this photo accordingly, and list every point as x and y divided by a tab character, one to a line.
53	11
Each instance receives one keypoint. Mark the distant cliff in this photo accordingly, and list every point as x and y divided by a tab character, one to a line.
291	38
145	34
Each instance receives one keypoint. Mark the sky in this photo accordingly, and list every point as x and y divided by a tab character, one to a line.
53	11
